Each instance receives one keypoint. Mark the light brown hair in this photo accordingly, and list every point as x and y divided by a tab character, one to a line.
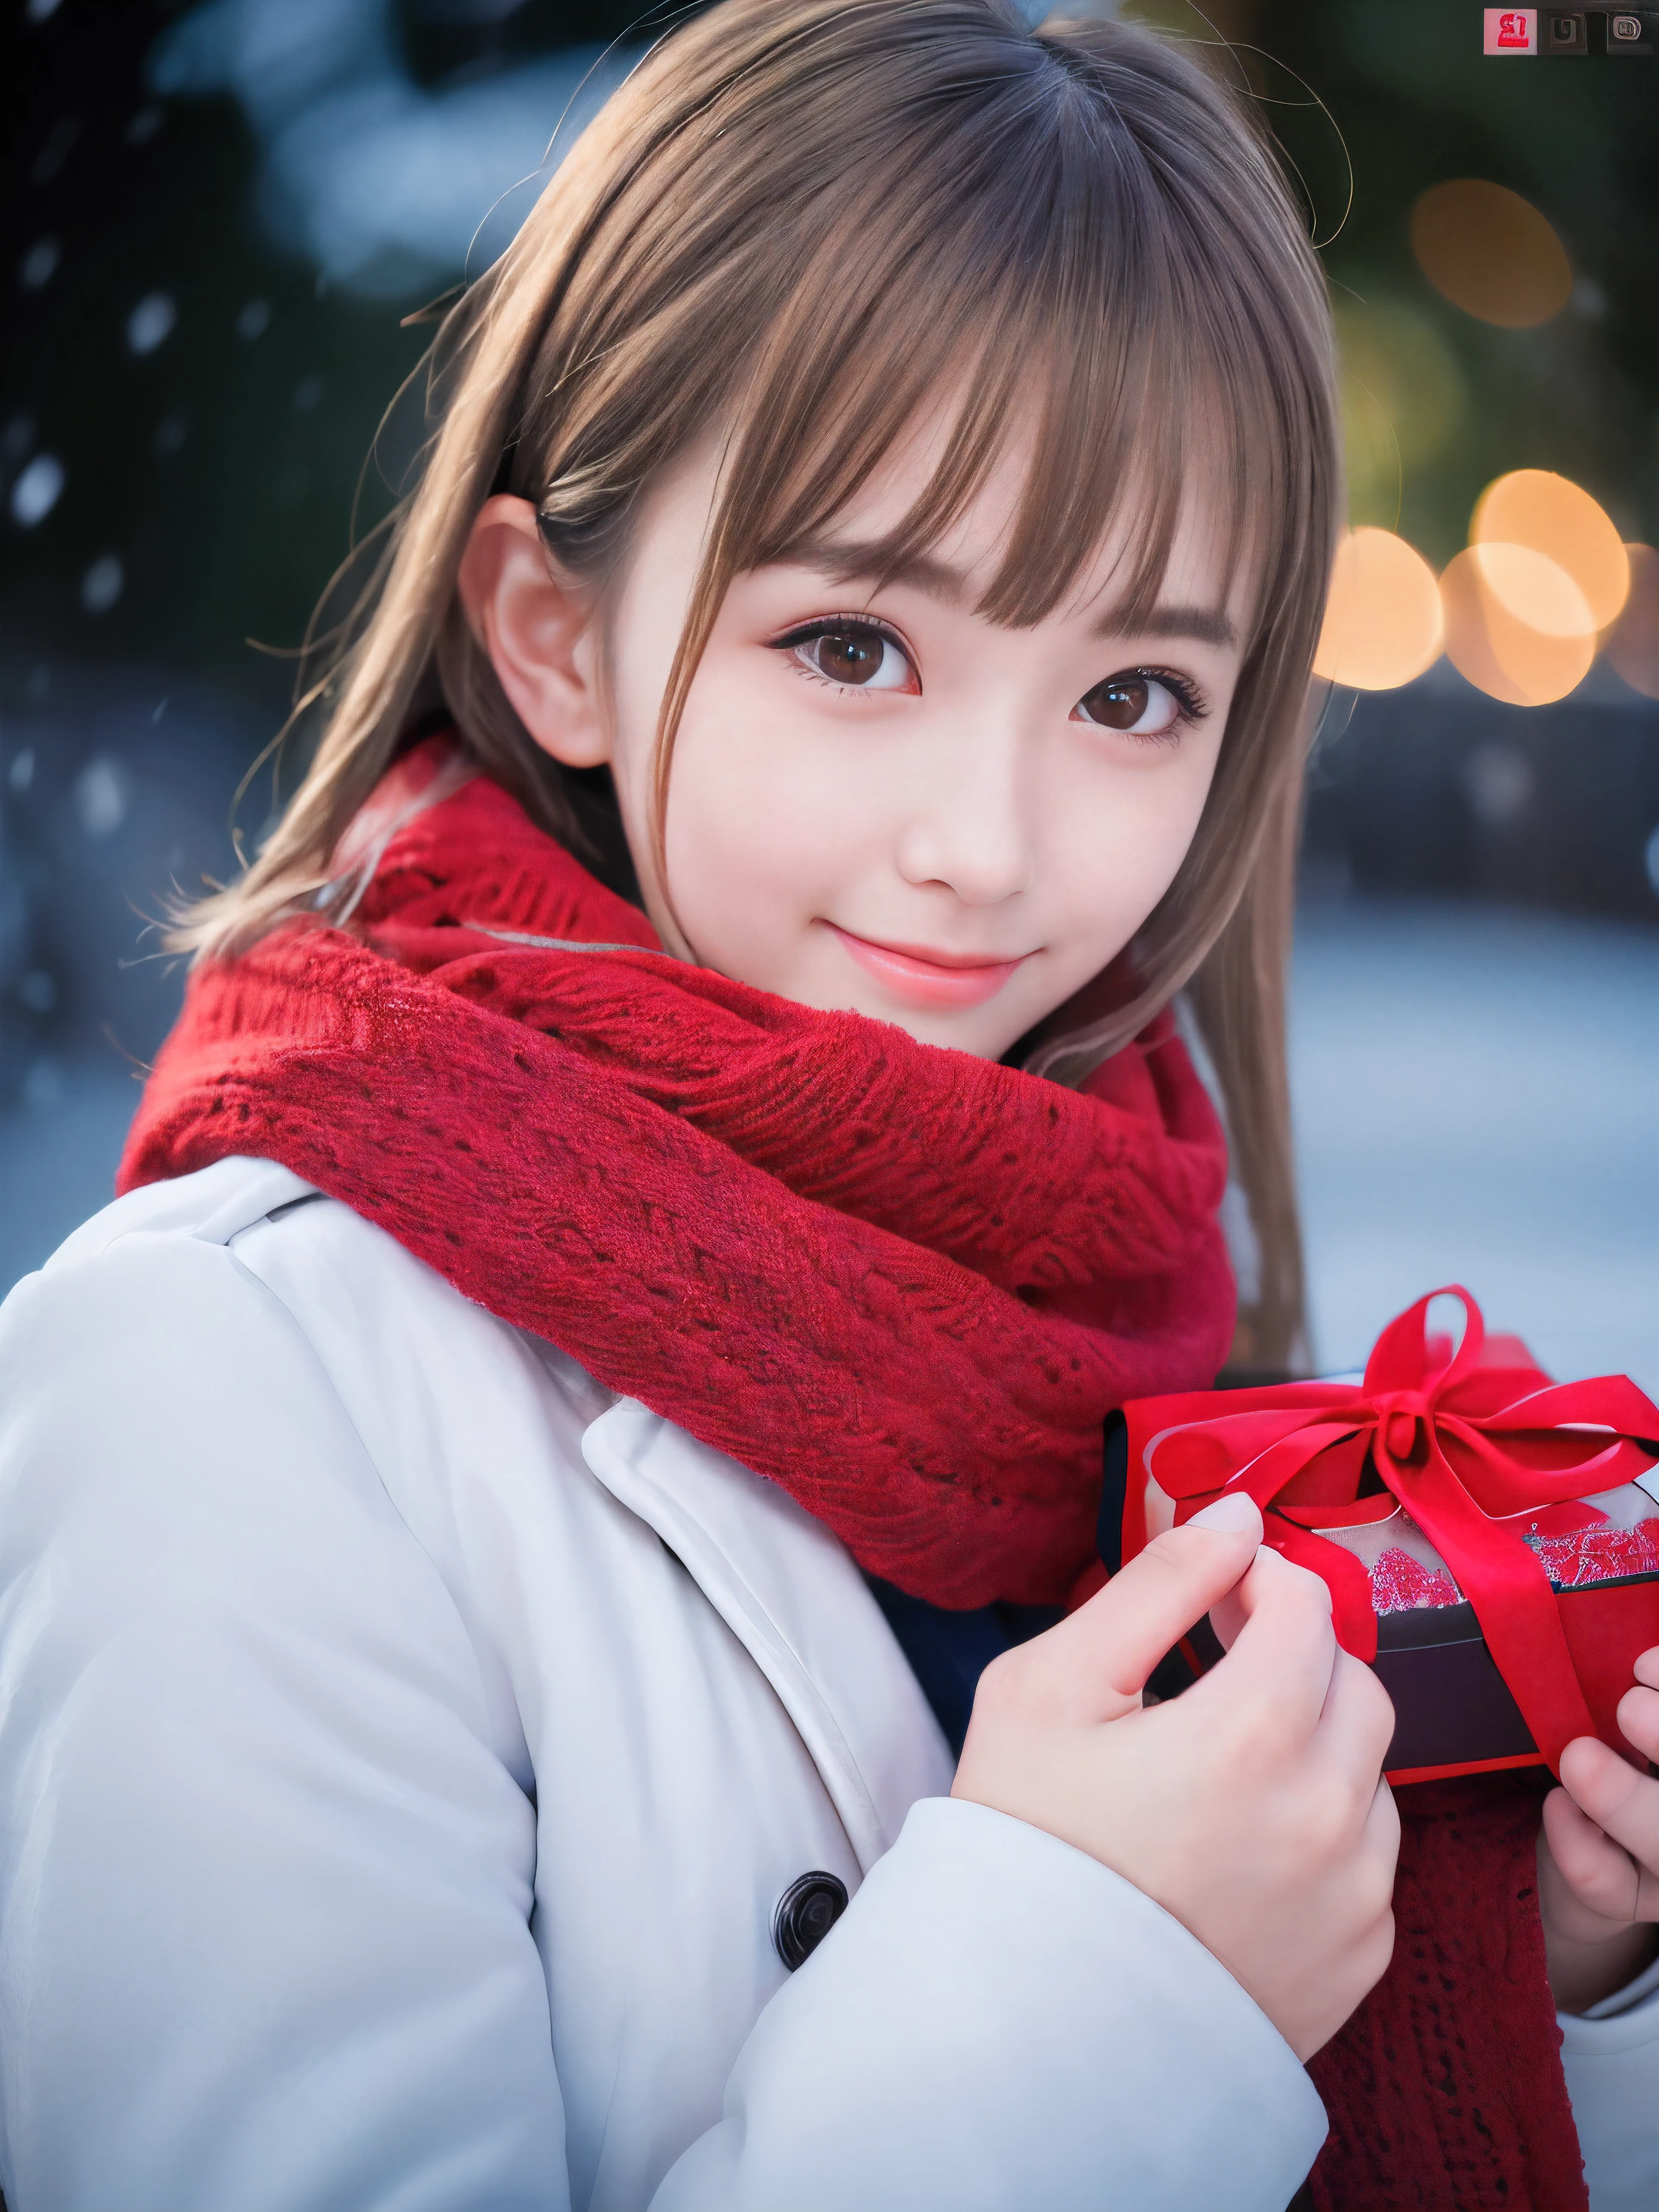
799	223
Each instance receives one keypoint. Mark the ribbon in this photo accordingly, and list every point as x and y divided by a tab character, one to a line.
1465	1443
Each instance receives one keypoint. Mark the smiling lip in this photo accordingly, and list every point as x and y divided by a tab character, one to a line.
929	978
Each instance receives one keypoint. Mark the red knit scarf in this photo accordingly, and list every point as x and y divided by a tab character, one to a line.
905	1284
1444	2090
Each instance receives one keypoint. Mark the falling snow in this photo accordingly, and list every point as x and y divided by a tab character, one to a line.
37	490
101	797
151	321
103	583
40	264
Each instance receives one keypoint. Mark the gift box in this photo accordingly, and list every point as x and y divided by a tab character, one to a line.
1490	1537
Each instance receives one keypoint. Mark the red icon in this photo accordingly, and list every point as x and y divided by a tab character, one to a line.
1512	31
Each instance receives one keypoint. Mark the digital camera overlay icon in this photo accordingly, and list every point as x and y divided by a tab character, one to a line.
1512	31
1622	33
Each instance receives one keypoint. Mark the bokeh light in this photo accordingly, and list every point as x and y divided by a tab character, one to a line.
1383	619
1517	626
1632	646
1491	253
1537	590
1554	517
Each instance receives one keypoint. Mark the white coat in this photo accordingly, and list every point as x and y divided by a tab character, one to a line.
404	1749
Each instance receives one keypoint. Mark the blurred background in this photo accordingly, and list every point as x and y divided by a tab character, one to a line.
218	219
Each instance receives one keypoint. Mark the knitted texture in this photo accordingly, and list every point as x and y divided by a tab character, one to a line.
1444	2090
904	1283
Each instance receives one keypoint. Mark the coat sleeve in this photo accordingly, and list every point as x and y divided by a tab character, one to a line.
1610	2056
265	1882
998	2021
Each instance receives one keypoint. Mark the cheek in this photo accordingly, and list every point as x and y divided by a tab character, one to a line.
1173	817
1117	856
759	828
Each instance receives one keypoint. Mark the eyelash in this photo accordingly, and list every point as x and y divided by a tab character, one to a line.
1187	694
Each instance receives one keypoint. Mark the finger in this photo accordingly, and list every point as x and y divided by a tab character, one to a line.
1638	1720
1647	1668
1227	1615
1356	1726
1369	1877
1378	1854
1601	1877
1123	1632
1624	1805
1383	1829
1284	1656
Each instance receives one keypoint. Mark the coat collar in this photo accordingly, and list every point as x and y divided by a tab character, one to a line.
792	1596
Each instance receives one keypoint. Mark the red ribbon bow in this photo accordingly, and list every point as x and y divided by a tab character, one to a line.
1466	1444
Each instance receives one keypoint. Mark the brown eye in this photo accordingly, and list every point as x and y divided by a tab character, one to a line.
1131	701
863	659
850	656
1119	703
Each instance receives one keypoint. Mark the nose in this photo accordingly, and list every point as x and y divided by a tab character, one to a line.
967	826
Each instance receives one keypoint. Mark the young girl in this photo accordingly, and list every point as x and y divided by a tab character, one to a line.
671	1153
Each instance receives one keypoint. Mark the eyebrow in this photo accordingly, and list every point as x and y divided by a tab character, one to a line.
1203	625
859	560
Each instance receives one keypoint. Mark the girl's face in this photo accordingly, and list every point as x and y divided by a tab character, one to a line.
880	799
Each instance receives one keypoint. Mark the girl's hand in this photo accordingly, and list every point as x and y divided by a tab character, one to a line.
1252	1808
1598	1856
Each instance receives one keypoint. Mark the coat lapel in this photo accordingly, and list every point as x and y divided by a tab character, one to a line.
792	1596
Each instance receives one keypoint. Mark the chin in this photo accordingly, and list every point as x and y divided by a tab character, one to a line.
954	1034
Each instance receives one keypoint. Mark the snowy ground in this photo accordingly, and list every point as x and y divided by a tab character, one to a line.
1477	1098
1477	1093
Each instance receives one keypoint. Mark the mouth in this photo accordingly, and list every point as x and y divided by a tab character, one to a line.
923	975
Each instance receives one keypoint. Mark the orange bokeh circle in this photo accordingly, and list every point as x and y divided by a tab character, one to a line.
1490	252
1555	517
1517	625
1382	618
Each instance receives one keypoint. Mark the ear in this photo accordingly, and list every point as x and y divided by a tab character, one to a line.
539	631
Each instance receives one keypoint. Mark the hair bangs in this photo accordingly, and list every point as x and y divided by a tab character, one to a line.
1065	312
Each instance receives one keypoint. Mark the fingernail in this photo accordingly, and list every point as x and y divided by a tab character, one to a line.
1234	1511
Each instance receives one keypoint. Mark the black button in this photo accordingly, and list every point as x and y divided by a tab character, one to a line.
806	1911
